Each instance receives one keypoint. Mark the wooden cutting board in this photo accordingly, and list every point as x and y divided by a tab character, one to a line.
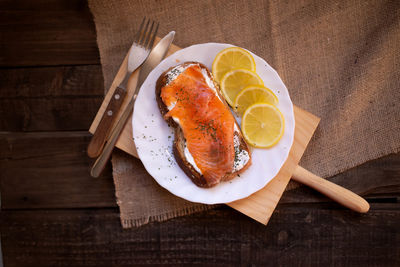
259	205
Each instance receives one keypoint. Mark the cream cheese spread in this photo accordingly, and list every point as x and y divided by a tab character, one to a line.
241	156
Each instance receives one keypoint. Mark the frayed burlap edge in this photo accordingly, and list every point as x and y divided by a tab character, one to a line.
129	223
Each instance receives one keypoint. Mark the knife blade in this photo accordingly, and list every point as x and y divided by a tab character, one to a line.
136	58
155	57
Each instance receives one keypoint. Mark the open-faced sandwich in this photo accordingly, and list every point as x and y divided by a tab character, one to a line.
208	145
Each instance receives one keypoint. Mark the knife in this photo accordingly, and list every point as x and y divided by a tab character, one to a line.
107	120
155	57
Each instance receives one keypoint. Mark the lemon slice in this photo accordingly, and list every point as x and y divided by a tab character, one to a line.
254	94
262	125
235	81
232	58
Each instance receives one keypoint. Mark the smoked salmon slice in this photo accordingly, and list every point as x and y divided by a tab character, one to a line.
206	122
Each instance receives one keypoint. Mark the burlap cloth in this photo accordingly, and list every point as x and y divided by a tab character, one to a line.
339	59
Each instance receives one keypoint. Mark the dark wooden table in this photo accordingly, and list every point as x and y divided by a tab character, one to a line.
54	214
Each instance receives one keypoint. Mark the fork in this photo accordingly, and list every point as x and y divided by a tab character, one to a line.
139	51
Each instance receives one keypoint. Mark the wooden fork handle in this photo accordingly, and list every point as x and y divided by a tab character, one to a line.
104	127
331	190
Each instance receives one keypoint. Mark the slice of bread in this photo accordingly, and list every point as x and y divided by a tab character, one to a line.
242	153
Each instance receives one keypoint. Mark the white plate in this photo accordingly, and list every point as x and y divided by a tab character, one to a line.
153	137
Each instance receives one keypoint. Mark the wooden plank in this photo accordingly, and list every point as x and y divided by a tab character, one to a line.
50	170
47	32
63	114
50	98
47	82
297	235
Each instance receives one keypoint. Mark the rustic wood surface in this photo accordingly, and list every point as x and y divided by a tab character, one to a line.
46	32
309	235
54	214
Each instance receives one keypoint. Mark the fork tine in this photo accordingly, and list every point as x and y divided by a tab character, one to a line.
148	36
137	35
141	34
154	36
143	37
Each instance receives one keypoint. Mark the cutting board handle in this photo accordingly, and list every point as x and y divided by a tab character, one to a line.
331	190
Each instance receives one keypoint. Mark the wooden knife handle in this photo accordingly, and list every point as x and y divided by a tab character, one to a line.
104	127
331	190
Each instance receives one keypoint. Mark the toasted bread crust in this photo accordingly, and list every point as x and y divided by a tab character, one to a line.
179	141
